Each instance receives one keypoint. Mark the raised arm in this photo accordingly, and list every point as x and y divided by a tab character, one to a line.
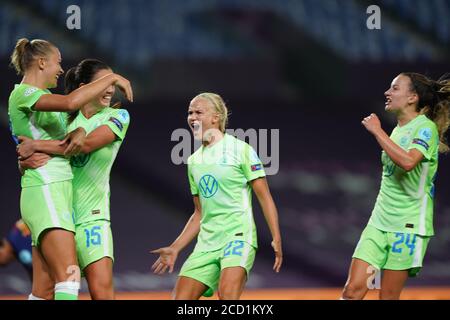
261	189
81	96
168	255
405	159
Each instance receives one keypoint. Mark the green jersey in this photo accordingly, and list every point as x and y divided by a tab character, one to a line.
91	171
38	125
405	201
220	176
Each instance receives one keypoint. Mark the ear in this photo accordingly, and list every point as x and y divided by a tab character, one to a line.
41	63
413	98
216	118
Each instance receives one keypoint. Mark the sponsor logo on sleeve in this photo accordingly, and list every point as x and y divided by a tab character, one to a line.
422	143
30	91
117	123
256	167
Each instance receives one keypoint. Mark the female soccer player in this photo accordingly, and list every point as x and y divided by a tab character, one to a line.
222	174
46	198
401	224
106	128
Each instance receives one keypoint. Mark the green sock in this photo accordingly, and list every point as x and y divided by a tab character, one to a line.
65	296
67	290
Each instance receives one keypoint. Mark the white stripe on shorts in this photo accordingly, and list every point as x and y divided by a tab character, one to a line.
50	205
37	136
418	254
244	258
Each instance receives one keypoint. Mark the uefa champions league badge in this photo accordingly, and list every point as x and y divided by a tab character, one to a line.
425	134
124	116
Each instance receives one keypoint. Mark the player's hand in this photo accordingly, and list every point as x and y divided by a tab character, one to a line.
124	86
166	260
36	160
276	245
372	123
75	141
26	147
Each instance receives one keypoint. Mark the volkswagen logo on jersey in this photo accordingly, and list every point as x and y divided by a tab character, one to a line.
208	186
79	160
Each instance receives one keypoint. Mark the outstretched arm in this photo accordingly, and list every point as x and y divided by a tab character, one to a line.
81	96
261	189
168	255
405	159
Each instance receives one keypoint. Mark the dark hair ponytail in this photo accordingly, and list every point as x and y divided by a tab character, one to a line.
434	102
83	73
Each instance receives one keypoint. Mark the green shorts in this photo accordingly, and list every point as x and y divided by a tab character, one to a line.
46	207
93	241
392	250
207	266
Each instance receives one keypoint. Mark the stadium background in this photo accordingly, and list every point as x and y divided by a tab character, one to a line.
311	69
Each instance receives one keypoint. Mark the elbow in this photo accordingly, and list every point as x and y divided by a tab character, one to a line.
408	166
71	104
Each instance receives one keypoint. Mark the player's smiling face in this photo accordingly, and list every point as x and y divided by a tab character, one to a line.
399	95
201	117
52	68
104	99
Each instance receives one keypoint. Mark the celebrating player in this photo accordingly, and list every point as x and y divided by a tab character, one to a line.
399	230
222	174
46	198
106	128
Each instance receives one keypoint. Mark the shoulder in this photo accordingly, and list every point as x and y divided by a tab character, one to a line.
122	114
120	117
191	159
426	128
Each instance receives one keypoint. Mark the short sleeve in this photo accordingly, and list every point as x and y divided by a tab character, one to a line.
118	122
192	184
251	164
425	137
29	98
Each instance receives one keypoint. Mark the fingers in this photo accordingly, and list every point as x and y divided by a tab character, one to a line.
156	264
277	264
72	149
125	86
64	141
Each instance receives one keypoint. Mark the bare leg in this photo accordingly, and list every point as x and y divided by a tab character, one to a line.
357	286
392	284
43	284
188	289
58	250
232	283
99	276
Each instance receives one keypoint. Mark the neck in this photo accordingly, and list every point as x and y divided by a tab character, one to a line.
33	78
405	117
213	139
89	110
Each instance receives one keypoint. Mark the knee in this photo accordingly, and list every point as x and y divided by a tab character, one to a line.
353	292
228	292
101	289
389	294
